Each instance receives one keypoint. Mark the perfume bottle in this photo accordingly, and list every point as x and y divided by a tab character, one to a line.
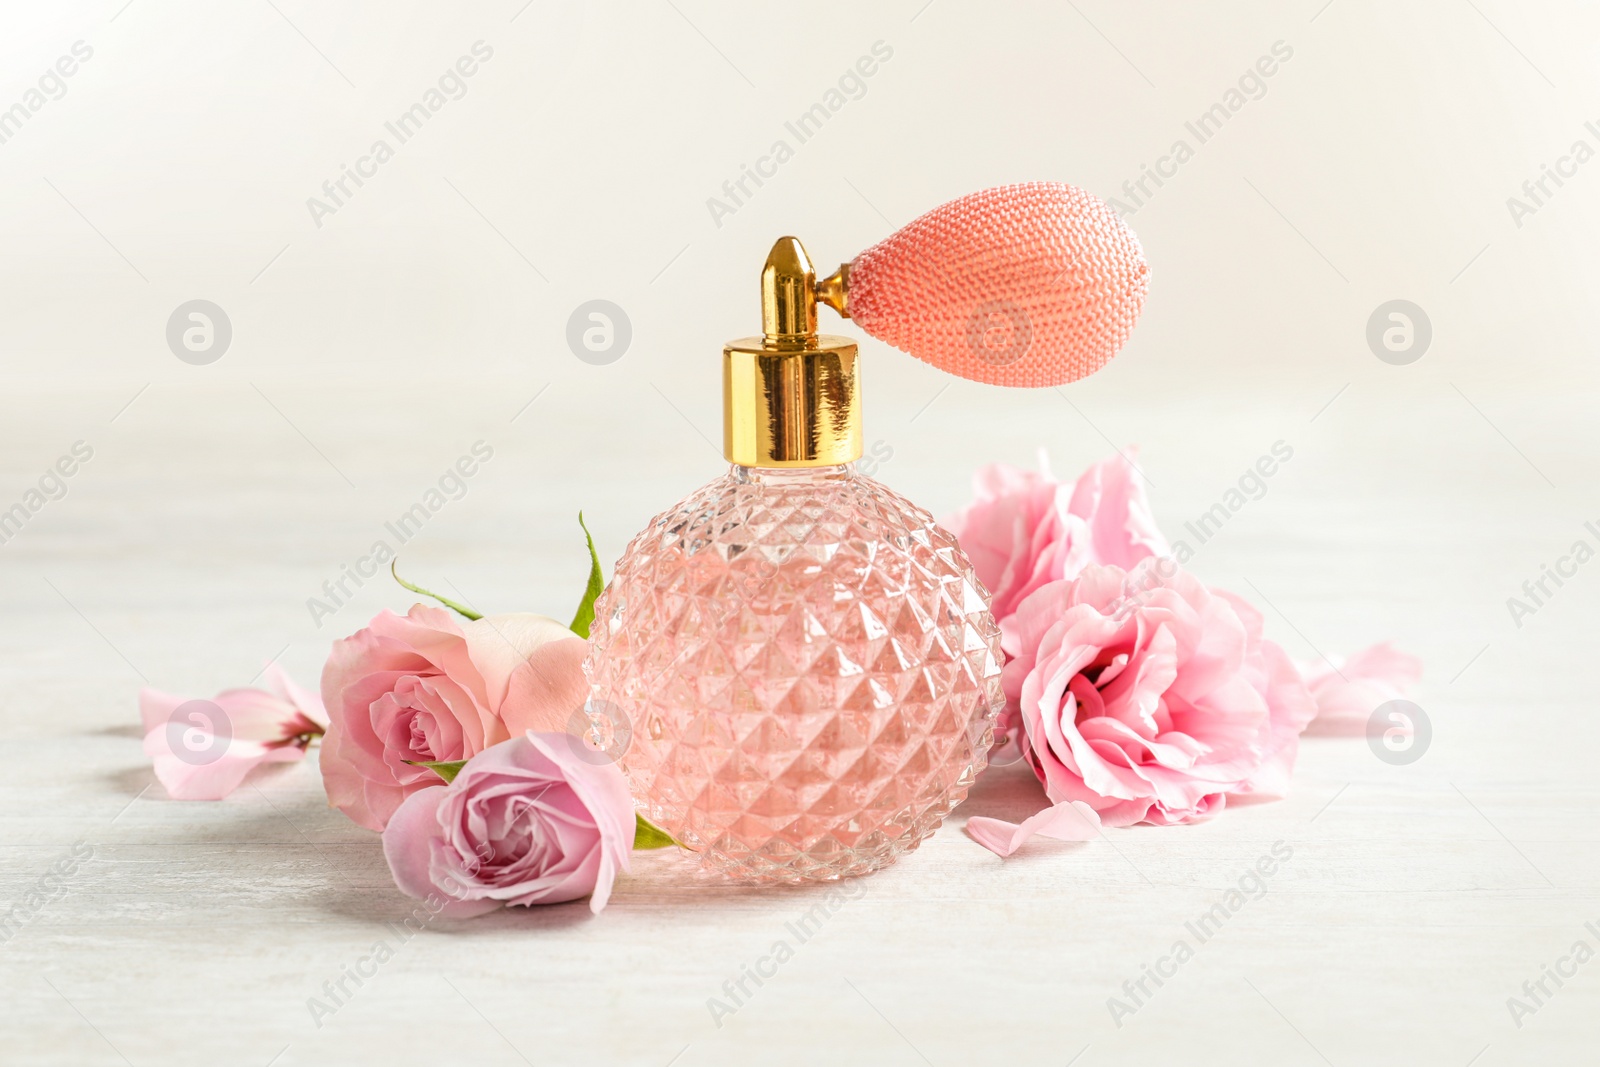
805	659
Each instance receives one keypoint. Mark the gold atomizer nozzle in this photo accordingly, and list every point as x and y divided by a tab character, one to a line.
834	290
791	398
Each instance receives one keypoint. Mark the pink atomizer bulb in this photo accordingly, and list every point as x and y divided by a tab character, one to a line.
805	659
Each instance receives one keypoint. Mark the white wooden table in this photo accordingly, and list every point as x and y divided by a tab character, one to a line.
1417	899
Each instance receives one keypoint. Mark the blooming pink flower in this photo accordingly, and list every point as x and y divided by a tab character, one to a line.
1348	691
203	749
426	687
1150	698
1025	529
1131	688
526	821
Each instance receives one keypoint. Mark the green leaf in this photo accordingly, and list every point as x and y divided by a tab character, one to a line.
597	583
647	834
446	601
445	768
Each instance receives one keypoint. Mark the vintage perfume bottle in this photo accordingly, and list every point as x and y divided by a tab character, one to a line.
805	659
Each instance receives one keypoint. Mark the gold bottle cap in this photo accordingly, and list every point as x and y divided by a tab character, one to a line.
791	398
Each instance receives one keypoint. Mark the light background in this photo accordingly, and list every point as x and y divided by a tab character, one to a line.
430	312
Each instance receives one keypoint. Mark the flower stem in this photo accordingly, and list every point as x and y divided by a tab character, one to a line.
465	612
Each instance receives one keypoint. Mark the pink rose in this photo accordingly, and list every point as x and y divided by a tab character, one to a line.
203	749
426	687
1348	691
1025	529
533	820
1150	698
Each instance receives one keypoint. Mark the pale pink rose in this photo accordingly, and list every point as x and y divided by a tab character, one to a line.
426	687
1348	691
203	749
1150	698
1025	529
532	820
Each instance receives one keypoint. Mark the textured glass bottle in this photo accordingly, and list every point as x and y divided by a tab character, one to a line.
805	659
810	670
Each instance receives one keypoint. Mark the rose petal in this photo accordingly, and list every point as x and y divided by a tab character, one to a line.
278	682
185	779
502	643
255	726
156	708
1347	692
407	846
1067	821
547	688
1110	496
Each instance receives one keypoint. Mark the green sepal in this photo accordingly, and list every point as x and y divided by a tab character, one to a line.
445	768
647	834
597	583
446	601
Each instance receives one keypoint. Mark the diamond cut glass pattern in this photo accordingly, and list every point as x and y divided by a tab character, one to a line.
810	668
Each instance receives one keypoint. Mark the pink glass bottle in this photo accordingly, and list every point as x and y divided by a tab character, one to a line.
806	660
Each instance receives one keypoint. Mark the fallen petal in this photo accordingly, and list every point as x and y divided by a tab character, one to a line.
1072	820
